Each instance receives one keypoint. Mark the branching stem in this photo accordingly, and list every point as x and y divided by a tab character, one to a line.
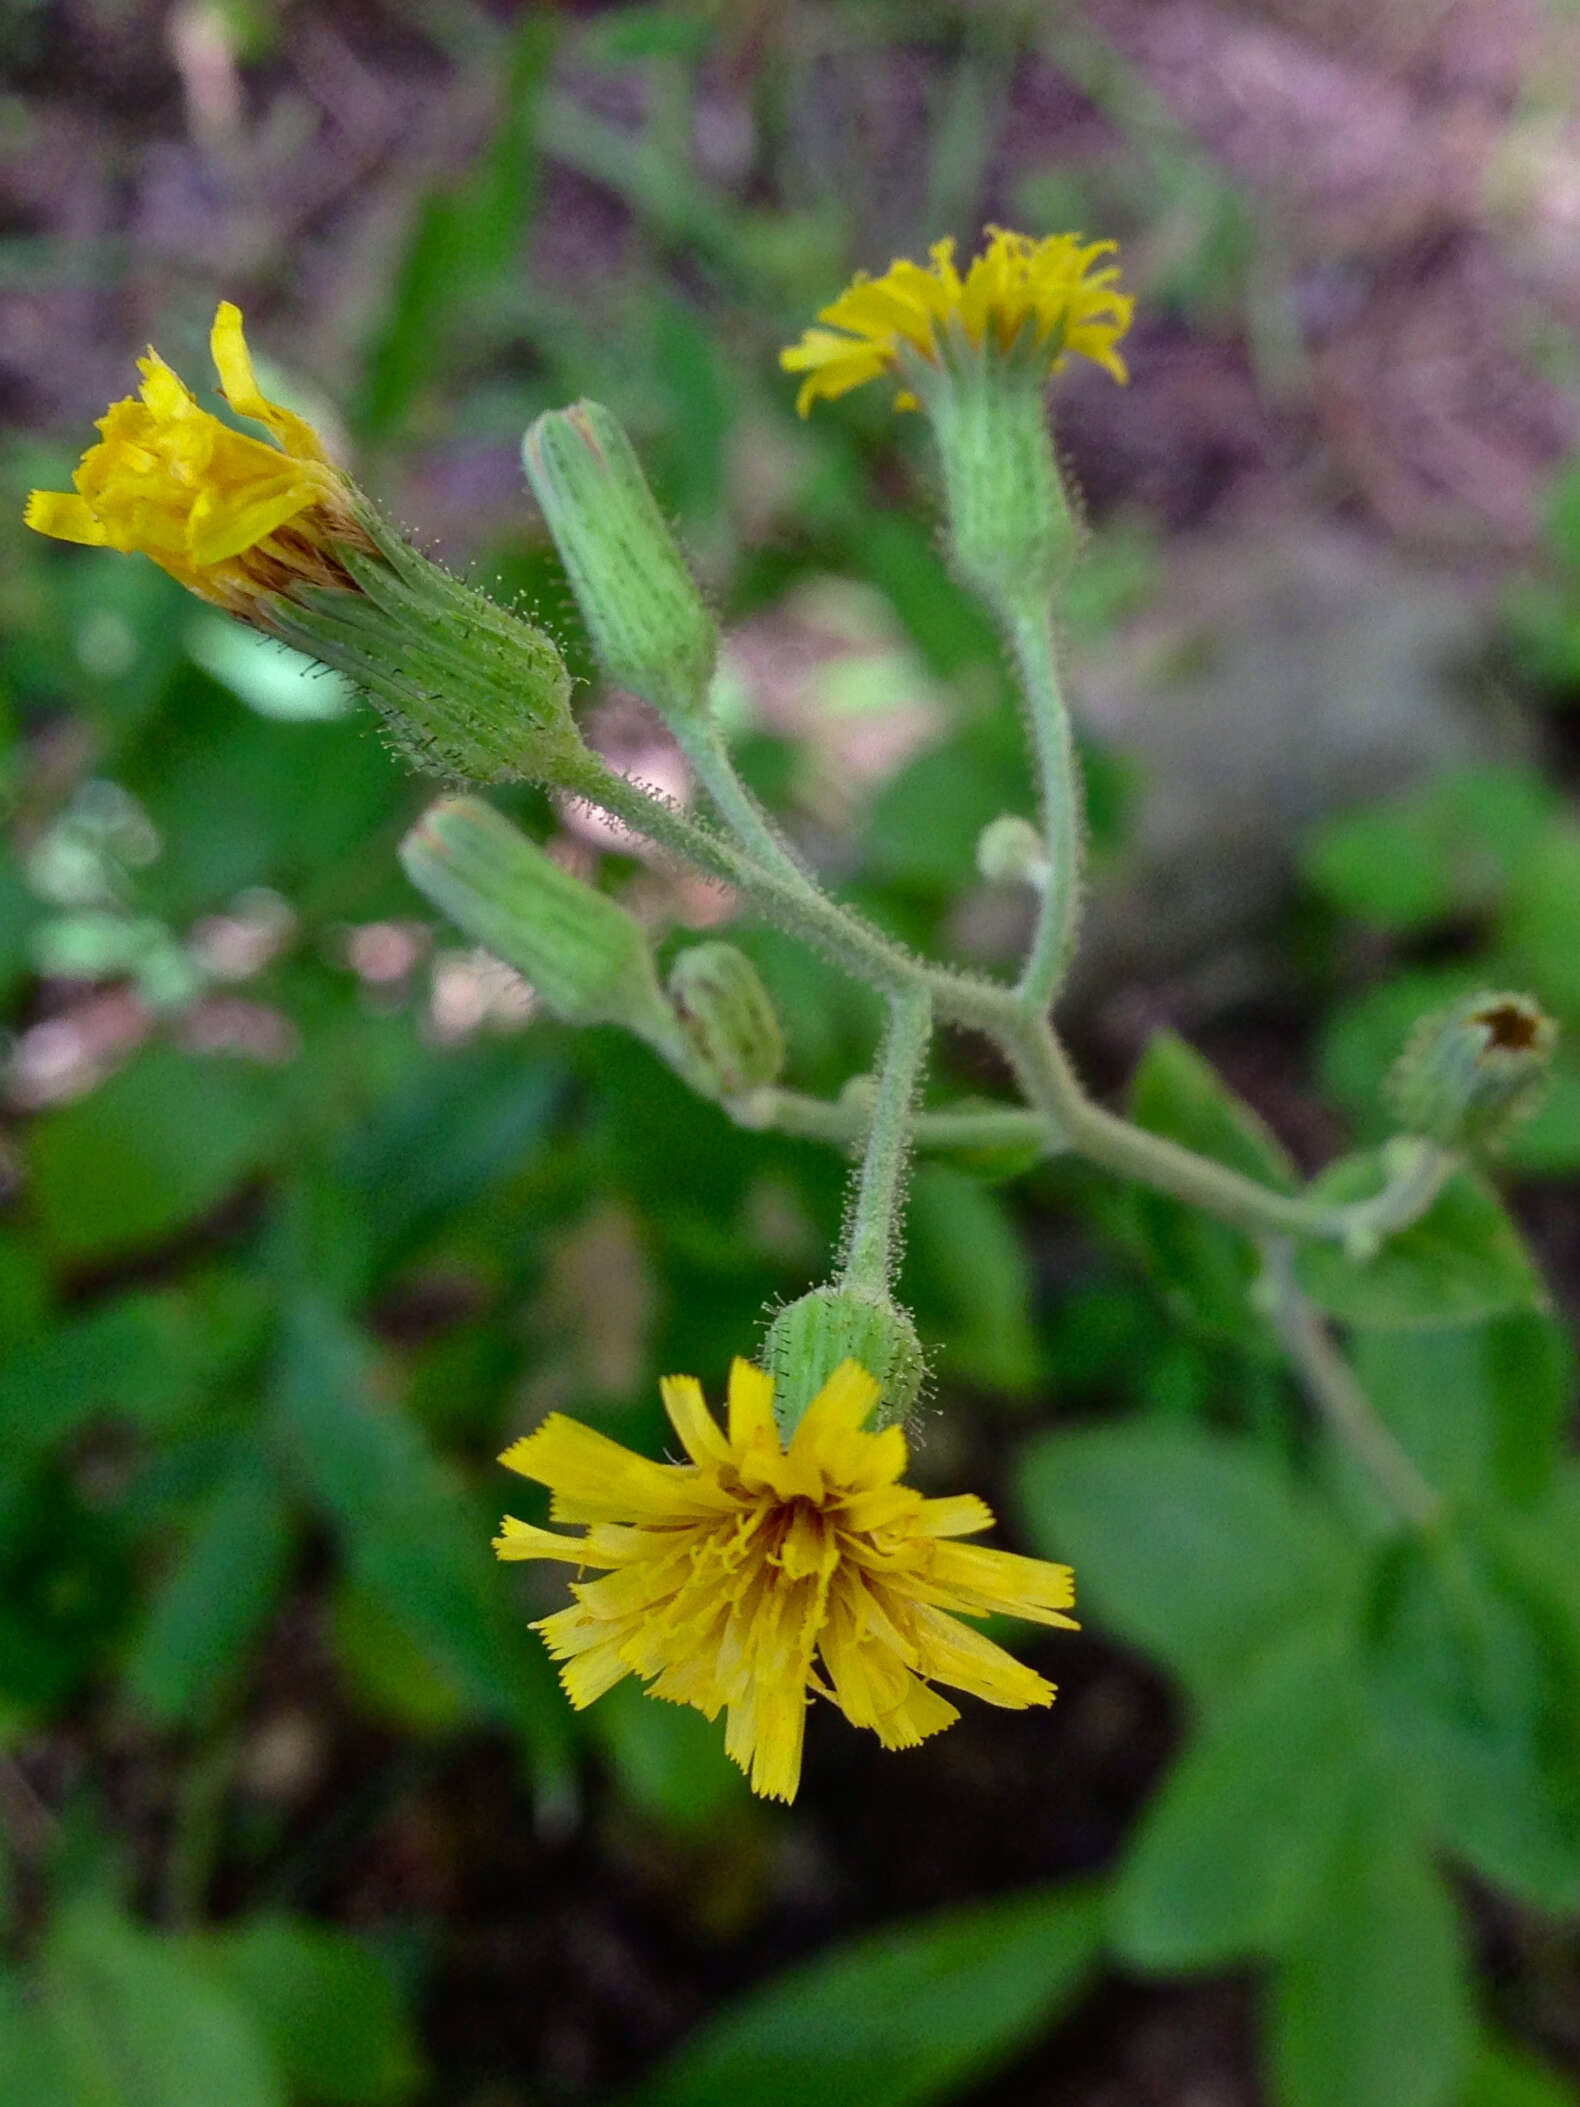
1014	1019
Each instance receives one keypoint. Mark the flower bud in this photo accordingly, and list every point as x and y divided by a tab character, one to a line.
729	1017
1010	851
466	689
648	624
1469	1074
809	1339
273	531
585	956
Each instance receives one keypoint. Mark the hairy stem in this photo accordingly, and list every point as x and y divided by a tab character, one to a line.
798	905
869	1253
1059	792
845	1120
710	761
1018	1026
1331	1384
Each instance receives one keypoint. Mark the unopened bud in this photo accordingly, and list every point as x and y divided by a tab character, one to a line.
587	959
1010	851
729	1017
809	1339
649	626
1469	1074
466	689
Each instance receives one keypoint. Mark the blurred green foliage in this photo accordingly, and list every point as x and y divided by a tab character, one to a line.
300	1226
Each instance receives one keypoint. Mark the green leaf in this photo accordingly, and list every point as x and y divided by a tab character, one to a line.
215	1598
134	2022
1538	924
1178	1093
463	241
241	800
1475	1689
1442	850
407	1536
903	2016
150	1358
1231	1852
1204	1269
1462	1261
1481	1409
162	1143
1504	2077
327	2008
1548	1144
1193	1547
969	1280
1372	2009
18	909
387	1672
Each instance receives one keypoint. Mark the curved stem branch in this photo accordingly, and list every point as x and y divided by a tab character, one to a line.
704	748
1331	1384
1066	1115
1059	792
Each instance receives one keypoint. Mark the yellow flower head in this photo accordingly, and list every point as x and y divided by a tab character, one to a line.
230	516
1040	298
757	1572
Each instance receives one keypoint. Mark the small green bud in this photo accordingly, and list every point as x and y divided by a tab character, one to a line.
1013	532
1469	1074
467	690
648	623
809	1338
1010	851
729	1017
585	956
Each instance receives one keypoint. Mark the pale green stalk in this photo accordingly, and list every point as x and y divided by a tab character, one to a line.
846	1120
1030	634
870	1247
1071	1120
1331	1384
703	746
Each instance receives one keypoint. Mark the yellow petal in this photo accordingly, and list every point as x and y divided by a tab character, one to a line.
764	1735
962	1515
842	1406
882	1507
700	1433
66	516
239	384
953	1653
167	396
873	1460
587	1676
1000	1580
920	1713
524	1540
594	1479
751	1405
223	522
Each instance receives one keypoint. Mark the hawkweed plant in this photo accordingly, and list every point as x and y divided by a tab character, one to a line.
784	1557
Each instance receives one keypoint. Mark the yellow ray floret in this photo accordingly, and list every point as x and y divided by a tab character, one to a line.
755	1574
230	516
1044	298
